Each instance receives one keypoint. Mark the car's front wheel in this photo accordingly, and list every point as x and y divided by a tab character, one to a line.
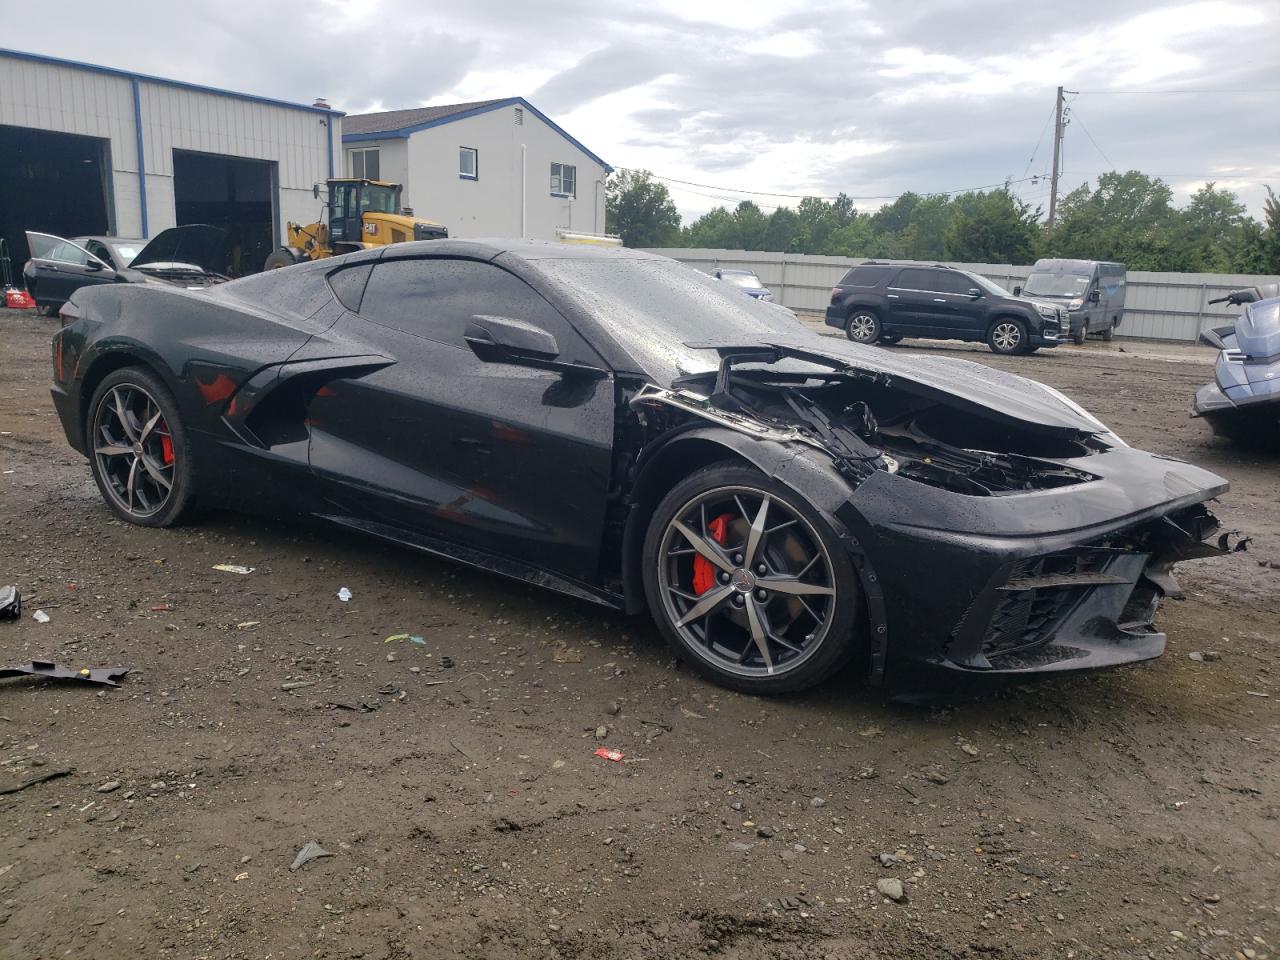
749	583
863	327
138	449
1007	336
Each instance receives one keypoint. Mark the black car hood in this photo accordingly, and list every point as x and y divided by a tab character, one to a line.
971	384
199	244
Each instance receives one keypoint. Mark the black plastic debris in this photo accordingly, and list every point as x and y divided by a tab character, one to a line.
10	603
57	671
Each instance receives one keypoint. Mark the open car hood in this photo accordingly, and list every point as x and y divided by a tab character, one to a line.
972	385
199	244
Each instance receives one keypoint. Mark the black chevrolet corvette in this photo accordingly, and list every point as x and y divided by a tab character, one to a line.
624	429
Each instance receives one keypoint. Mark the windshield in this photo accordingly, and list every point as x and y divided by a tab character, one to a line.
655	308
124	255
1055	285
992	288
379	199
748	280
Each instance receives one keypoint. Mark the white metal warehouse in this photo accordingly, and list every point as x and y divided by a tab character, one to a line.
87	150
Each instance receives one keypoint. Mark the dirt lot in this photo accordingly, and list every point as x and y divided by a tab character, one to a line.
1126	814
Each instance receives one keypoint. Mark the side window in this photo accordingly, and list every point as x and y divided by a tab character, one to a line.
915	278
436	298
946	281
348	284
864	276
101	252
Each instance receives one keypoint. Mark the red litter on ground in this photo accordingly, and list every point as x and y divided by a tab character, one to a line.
609	753
161	607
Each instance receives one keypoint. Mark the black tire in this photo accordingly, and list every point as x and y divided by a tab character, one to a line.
835	637
278	258
889	339
1007	336
49	310
136	387
1109	334
1079	338
863	326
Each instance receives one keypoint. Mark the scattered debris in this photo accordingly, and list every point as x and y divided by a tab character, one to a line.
601	732
344	595
312	851
889	859
109	787
1257	693
39	778
609	753
817	802
690	714
613	709
10	603
241	876
401	637
161	607
890	887
247	624
298	684
970	749
233	568
936	776
564	653
56	671
40	617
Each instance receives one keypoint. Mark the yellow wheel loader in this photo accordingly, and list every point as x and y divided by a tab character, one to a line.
361	213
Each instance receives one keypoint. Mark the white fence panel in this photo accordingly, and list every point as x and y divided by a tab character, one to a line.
1158	306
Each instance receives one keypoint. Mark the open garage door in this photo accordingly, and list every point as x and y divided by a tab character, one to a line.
235	194
57	183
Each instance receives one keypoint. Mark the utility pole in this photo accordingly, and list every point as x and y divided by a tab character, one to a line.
1059	128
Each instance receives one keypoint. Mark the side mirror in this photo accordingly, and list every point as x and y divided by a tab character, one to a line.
975	292
504	340
1095	297
93	266
1017	291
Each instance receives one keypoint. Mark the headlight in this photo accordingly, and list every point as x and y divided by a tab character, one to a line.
767	296
1075	304
1046	311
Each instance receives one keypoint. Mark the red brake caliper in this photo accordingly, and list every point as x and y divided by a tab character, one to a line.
166	444
704	572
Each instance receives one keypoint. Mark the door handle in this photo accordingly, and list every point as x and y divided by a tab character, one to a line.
892	296
938	300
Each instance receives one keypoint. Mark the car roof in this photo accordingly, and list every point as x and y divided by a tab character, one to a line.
909	263
109	239
736	270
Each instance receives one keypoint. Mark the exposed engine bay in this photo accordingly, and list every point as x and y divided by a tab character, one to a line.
866	424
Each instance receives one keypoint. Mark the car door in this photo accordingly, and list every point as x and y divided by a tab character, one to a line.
908	298
62	267
509	461
99	250
959	312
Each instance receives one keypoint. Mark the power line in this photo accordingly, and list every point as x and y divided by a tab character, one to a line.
1107	93
1075	115
1039	140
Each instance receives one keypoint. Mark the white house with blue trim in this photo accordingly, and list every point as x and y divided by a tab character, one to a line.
492	168
88	150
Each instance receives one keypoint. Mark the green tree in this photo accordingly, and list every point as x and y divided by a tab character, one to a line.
1258	249
1130	217
716	229
640	210
994	227
784	231
1212	230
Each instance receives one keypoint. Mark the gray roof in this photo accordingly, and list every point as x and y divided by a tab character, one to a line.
390	121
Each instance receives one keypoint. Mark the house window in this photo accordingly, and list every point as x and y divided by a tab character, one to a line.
364	164
564	180
468	163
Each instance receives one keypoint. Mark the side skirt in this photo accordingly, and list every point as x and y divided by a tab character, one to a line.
503	566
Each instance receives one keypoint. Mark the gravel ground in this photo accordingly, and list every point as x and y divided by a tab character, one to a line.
1126	814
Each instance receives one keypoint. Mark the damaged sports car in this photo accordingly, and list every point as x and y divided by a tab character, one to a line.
621	428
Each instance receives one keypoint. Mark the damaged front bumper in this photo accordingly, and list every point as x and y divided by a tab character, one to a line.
1057	580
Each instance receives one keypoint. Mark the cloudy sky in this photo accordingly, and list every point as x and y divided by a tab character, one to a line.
778	96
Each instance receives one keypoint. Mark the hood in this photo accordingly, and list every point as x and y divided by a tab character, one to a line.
196	243
963	382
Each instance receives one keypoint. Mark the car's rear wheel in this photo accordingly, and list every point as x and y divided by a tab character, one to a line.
1109	333
1007	336
748	583
138	449
863	326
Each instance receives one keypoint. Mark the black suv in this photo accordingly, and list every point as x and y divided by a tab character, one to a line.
884	302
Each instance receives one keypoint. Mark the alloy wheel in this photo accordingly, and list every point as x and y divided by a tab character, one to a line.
134	450
746	581
862	327
1006	337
